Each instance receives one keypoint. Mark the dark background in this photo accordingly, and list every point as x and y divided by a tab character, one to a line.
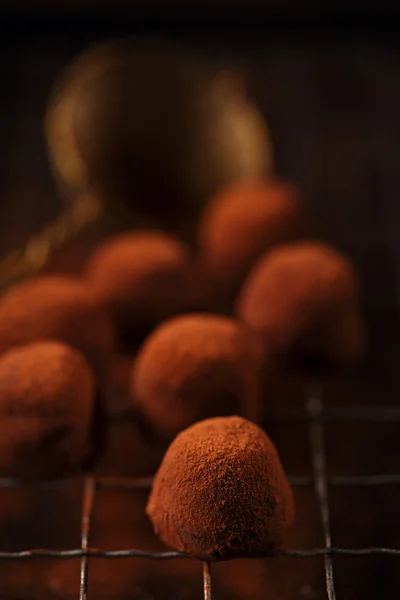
330	91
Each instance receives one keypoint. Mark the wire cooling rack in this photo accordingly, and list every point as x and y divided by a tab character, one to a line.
316	415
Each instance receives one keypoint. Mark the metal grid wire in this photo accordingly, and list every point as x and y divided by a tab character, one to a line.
370	125
316	416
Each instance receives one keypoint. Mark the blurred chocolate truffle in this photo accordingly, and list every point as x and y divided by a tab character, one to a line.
221	492
243	221
60	308
303	298
197	366
143	278
46	409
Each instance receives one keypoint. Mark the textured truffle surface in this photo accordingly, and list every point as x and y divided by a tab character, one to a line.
243	221
303	298
60	308
143	278
197	366
46	407
221	492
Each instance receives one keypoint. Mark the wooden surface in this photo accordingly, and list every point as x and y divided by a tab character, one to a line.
332	102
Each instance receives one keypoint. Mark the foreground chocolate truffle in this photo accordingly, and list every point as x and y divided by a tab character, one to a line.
142	278
221	492
60	308
46	409
303	299
243	221
197	366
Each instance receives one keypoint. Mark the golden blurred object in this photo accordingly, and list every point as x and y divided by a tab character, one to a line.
148	128
138	128
33	257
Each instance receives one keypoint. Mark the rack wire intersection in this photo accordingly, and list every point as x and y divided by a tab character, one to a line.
316	416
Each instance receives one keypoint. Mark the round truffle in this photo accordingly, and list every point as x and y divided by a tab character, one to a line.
143	278
59	308
243	221
46	409
303	299
197	366
221	492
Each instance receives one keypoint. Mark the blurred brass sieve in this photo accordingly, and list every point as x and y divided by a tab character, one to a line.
140	133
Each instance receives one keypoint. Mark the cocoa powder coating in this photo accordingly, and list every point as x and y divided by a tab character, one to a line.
143	278
241	222
303	298
60	308
46	408
221	492
197	366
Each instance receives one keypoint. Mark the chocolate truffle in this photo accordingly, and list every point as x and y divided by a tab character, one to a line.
221	492
59	308
46	408
243	221
142	278
303	299
197	366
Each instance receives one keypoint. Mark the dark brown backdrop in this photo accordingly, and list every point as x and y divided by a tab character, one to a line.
332	99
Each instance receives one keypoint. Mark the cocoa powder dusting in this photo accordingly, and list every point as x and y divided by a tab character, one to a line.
143	278
221	492
243	221
303	299
60	308
46	411
194	367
